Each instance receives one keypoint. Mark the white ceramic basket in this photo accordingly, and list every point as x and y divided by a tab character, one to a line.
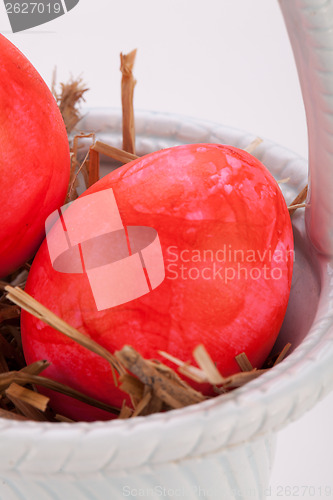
222	448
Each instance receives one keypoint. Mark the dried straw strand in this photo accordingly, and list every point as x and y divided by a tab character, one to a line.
127	93
11	415
282	354
207	365
253	145
114	153
93	166
32	398
36	368
32	306
68	99
240	379
192	372
243	362
142	405
133	386
23	378
298	202
125	412
77	167
169	391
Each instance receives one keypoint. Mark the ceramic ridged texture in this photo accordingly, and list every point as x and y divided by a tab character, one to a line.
310	27
182	447
199	477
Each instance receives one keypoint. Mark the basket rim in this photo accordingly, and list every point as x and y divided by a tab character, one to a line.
264	405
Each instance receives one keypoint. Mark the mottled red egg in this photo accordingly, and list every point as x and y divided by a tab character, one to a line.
226	240
34	157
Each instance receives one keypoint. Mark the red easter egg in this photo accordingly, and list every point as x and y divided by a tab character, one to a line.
226	240
34	157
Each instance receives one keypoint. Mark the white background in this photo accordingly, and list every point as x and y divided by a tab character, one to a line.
227	61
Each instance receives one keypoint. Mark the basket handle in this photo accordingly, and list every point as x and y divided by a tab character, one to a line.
310	27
